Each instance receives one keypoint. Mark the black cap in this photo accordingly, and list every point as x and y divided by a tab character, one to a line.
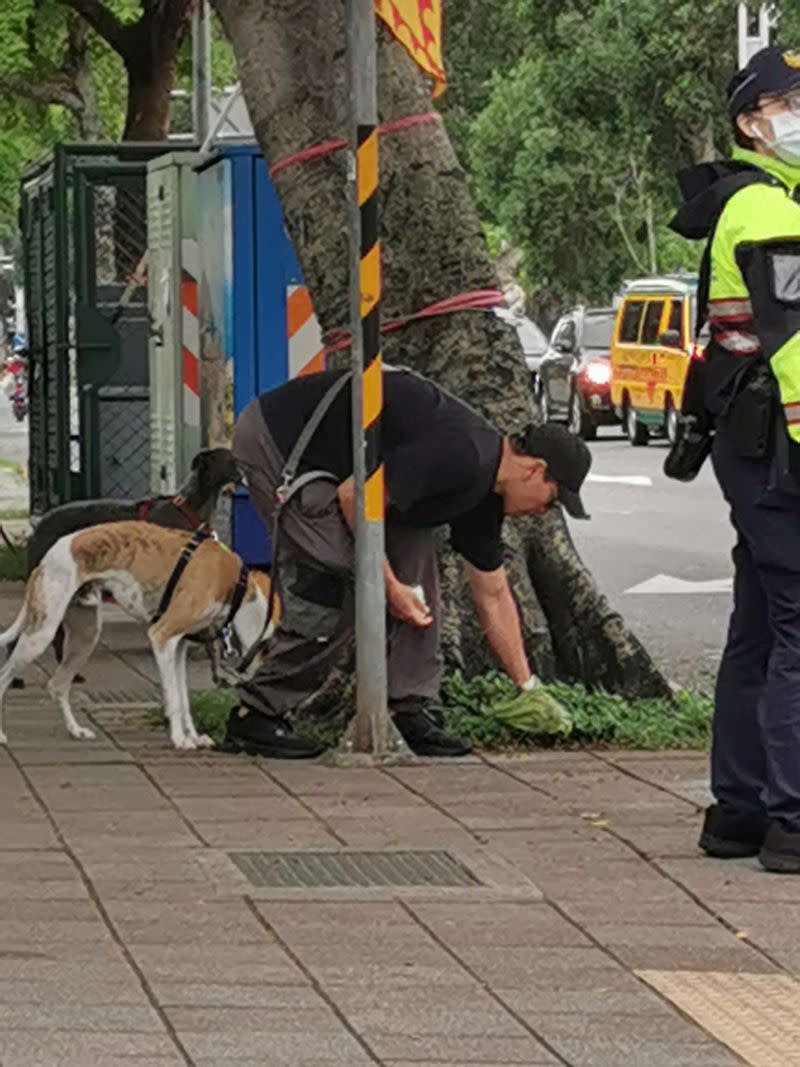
568	461
773	70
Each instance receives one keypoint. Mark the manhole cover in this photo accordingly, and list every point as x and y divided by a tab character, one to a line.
317	870
756	1015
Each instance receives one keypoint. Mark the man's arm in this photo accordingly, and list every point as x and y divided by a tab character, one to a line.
403	603
499	619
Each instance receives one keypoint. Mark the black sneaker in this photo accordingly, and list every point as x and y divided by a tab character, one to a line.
728	836
781	850
425	738
265	735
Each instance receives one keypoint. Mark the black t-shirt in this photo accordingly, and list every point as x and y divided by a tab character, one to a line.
441	457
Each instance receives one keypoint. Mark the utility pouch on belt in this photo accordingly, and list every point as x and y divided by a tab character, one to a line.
751	423
690	450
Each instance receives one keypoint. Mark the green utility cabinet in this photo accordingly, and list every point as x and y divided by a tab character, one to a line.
174	274
84	239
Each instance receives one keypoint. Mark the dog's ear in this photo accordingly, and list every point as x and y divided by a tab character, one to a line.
200	458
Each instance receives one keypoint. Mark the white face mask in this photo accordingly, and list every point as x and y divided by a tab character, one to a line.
785	141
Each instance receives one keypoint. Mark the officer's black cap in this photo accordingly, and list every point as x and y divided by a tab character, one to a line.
773	70
568	461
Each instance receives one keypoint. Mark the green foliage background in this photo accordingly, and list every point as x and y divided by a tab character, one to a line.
571	116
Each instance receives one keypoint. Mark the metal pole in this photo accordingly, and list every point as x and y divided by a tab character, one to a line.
372	730
201	71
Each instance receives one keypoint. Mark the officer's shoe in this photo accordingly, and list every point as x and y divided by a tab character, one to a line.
781	850
731	836
420	730
266	735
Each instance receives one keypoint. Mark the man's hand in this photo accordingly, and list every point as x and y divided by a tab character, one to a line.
499	620
405	605
403	602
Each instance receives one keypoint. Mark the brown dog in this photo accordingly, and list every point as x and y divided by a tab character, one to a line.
134	562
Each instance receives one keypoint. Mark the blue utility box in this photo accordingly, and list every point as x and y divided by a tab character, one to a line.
253	308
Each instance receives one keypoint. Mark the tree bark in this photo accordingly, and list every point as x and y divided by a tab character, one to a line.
291	59
148	48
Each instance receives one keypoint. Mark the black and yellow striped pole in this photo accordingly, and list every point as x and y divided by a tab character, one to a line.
372	730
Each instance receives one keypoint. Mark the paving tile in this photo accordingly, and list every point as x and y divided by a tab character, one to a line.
194	777
272	807
217	923
73	989
660	1041
690	948
514	925
124	1018
204	994
96	788
315	779
737	882
583	993
119	829
35	1048
251	966
279	1042
461	1050
266	834
440	1011
518	967
125	876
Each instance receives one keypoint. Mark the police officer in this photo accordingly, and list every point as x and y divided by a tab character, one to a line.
748	209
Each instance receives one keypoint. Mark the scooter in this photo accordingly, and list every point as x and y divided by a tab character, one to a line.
19	400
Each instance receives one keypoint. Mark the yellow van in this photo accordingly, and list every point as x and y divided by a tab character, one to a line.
651	347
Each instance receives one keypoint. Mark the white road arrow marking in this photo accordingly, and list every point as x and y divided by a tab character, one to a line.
641	480
665	584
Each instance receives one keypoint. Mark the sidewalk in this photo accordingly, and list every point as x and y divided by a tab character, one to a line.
129	934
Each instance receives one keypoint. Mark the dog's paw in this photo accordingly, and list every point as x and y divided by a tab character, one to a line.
82	733
204	741
3	738
184	743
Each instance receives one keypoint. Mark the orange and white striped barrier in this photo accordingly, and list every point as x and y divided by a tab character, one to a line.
190	352
306	352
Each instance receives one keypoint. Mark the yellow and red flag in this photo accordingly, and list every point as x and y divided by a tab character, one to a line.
417	24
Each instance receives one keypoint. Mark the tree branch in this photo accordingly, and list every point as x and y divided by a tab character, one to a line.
103	22
56	89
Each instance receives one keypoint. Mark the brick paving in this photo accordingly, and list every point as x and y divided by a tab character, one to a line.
129	936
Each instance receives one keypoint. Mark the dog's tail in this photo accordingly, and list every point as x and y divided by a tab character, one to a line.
9	636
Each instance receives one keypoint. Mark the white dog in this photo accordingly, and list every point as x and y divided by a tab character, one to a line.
134	561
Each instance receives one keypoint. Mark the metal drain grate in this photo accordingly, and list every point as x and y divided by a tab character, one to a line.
320	870
121	698
756	1015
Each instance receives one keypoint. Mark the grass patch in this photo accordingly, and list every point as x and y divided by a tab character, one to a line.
15	468
599	719
12	562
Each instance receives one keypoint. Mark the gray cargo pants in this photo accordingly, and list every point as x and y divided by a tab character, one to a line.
315	585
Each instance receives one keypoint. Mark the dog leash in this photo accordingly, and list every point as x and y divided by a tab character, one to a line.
292	483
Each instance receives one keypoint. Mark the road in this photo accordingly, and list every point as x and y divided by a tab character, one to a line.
644	526
13	458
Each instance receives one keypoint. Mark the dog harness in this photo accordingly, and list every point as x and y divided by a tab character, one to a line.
198	537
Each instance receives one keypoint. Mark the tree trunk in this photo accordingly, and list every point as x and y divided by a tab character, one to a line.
291	59
150	81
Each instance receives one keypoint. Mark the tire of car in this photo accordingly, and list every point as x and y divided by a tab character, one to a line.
637	432
671	421
581	422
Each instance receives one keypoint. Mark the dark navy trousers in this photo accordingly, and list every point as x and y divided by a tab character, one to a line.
755	759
